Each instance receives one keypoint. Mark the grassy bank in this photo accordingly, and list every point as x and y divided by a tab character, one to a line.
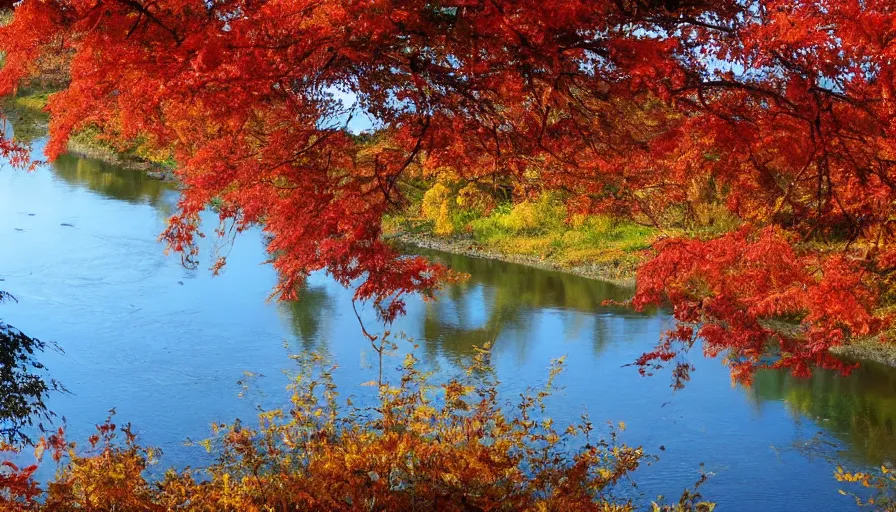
537	232
870	349
27	112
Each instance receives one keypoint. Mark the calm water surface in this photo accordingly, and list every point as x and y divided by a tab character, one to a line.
166	346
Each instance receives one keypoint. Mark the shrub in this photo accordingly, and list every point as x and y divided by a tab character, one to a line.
148	150
523	217
431	207
545	214
444	225
475	200
425	446
713	219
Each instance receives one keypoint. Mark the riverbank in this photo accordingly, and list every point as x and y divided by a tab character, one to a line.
868	349
31	121
89	147
602	271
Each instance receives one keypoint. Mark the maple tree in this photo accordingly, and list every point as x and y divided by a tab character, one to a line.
780	112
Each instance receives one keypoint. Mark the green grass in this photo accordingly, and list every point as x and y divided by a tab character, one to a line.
543	230
33	100
27	115
546	234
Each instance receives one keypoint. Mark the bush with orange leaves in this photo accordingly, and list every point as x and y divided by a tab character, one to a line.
879	487
446	447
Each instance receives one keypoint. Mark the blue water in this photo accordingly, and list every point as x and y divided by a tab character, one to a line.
166	347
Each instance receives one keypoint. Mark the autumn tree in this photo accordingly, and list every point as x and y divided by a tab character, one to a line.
782	111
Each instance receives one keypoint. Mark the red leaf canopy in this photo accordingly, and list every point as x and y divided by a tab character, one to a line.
625	105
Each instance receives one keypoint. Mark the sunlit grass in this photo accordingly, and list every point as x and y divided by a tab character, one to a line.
27	115
543	229
33	100
538	229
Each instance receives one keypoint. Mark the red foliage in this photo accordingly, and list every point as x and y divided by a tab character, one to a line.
726	292
20	490
786	107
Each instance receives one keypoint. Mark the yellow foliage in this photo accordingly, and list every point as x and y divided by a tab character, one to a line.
601	223
578	220
433	200
413	451
712	217
529	245
544	214
471	197
154	153
444	226
523	217
883	485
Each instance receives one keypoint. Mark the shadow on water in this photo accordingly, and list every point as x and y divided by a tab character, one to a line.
116	183
859	410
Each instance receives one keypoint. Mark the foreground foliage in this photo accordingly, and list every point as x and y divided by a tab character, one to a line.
24	383
425	446
881	482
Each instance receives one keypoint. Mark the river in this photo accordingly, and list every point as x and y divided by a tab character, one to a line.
166	346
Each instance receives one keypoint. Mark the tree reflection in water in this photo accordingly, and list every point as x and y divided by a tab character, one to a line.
859	410
117	183
308	317
501	298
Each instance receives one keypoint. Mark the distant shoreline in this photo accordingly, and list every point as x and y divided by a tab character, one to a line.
86	150
469	247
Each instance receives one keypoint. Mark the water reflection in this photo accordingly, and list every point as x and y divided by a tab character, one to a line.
501	299
310	317
116	183
29	124
531	287
860	409
505	304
